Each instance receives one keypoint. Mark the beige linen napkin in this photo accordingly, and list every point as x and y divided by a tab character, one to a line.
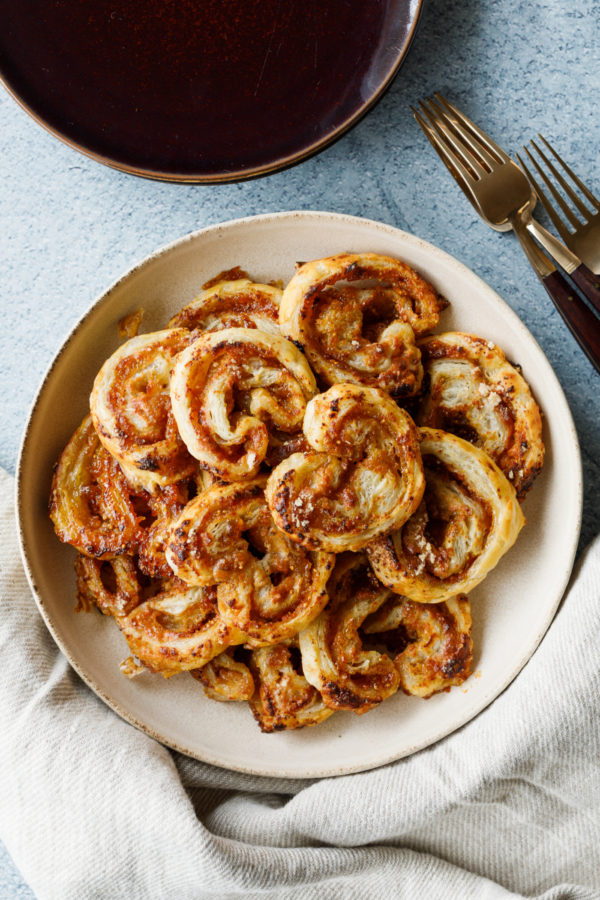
507	806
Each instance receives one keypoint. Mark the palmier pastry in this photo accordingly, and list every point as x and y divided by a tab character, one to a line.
283	698
111	585
267	586
229	388
468	519
436	647
90	501
226	678
362	478
232	302
333	657
177	630
131	409
356	315
473	391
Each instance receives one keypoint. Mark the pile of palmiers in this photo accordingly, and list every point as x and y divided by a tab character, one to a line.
253	503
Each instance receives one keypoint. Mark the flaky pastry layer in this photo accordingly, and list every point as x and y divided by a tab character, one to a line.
435	638
177	630
362	478
267	585
90	499
468	519
334	659
131	409
111	585
226	679
473	391
283	699
233	302
356	314
229	388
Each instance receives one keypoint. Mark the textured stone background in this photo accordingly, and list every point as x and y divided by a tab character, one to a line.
69	227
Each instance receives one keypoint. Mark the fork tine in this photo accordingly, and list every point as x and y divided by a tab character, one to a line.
482	138
546	202
577	203
467	140
473	166
453	163
584	190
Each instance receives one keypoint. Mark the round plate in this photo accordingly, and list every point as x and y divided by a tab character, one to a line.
511	609
211	91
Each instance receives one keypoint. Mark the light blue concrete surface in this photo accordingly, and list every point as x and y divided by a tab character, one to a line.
69	227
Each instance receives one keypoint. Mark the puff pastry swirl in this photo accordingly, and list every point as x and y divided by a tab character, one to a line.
267	586
229	388
362	478
468	519
333	657
131	409
438	650
113	586
90	499
473	391
283	698
226	678
355	316
232	302
177	630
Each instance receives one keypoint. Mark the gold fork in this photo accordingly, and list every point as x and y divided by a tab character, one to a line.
502	196
581	233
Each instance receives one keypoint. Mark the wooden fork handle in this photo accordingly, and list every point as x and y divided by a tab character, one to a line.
588	283
579	318
577	315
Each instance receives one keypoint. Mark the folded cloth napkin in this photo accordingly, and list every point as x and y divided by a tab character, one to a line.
507	806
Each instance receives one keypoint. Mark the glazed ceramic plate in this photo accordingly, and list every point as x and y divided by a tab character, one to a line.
511	609
211	91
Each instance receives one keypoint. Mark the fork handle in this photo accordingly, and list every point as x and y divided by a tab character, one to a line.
578	317
588	283
581	321
586	280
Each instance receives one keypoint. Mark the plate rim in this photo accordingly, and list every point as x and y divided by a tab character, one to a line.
104	298
415	8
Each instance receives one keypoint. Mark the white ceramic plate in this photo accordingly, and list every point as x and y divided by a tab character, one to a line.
511	610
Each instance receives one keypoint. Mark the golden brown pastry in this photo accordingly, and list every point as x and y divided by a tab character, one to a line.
111	585
333	657
362	478
226	678
473	391
436	650
267	586
468	519
356	315
229	388
177	630
283	699
160	509
90	501
232	302
131	409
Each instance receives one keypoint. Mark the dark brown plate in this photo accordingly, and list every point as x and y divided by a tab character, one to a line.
201	90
